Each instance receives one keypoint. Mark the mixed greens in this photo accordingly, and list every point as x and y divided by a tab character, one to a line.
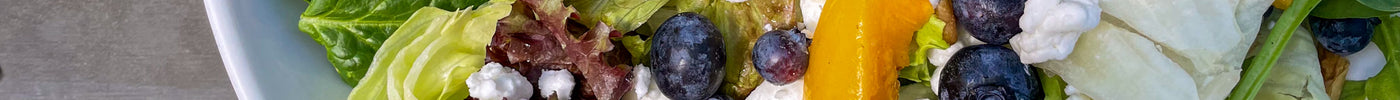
759	49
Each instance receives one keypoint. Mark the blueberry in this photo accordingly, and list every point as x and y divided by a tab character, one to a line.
988	72
781	56
687	57
1343	36
992	21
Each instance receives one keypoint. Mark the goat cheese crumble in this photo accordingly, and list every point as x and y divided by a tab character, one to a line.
496	82
556	84
643	87
1051	28
771	91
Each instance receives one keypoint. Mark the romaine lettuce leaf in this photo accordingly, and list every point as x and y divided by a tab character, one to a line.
432	54
352	30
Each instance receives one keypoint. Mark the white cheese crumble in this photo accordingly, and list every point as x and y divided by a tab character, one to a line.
643	88
1051	27
771	91
558	83
1365	63
939	58
496	82
811	12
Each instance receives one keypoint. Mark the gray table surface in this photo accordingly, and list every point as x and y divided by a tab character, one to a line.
109	49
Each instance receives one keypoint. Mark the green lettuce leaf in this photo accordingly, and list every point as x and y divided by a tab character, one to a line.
1353	90
1052	85
688	5
1386	85
1382	5
1336	9
917	73
928	37
671	8
636	46
917	91
432	54
623	15
352	30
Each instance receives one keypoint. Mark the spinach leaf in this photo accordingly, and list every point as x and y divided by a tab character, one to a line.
351	30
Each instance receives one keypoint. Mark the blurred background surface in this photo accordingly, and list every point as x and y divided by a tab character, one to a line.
109	49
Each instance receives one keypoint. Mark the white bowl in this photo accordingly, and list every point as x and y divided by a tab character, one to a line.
266	56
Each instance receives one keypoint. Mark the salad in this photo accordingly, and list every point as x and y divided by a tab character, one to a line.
861	49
